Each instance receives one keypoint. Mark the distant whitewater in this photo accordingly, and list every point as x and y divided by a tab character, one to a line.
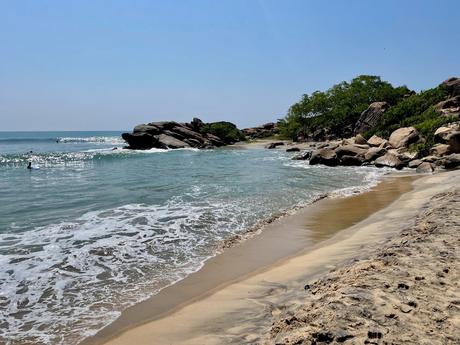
98	228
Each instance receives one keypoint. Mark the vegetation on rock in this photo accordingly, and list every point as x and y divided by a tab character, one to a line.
226	131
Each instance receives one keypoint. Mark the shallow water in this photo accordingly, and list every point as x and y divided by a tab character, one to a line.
93	230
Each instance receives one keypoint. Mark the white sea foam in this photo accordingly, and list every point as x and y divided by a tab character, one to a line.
95	139
56	276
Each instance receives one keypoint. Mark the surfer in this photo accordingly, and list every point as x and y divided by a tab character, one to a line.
29	166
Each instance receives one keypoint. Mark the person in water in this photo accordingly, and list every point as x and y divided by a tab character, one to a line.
29	166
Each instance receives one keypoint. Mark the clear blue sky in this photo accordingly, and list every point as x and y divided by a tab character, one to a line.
82	65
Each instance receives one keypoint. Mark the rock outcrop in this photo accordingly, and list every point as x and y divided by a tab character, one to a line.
172	135
403	137
264	131
370	117
453	85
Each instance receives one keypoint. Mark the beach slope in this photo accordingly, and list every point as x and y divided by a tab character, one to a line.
391	277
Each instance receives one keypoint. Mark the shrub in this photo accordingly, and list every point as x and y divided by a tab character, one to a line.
226	131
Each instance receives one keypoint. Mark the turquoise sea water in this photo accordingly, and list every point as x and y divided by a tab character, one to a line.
92	230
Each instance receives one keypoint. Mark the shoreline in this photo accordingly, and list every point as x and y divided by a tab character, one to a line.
279	241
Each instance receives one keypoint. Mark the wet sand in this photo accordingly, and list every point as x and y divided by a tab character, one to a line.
244	311
279	241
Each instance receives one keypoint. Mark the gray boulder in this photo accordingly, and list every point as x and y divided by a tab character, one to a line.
170	142
351	160
403	137
376	141
359	139
449	107
414	163
350	150
451	161
370	117
373	153
304	155
389	160
425	167
274	145
324	156
453	85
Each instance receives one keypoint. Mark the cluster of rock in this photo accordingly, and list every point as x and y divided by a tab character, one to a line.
451	106
394	152
171	135
264	131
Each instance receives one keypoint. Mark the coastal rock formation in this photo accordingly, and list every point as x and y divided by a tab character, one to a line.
376	141
389	160
449	107
264	131
403	137
274	145
324	156
370	117
453	85
174	135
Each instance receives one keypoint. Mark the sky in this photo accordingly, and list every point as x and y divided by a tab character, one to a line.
109	65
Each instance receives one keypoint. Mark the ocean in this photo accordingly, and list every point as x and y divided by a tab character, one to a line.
94	228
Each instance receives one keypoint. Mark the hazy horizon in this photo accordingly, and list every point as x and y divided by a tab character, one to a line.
92	66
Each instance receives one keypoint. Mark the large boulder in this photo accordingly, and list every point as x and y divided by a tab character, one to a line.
453	85
425	167
351	150
140	140
403	137
389	160
453	140
196	124
449	107
370	117
414	163
146	129
373	153
351	160
187	133
359	139
170	142
440	150
263	131
304	155
324	156
274	145
376	141
451	161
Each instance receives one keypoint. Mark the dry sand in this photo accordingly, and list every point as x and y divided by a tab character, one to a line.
257	307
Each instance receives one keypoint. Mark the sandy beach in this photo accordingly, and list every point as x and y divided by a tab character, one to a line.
250	293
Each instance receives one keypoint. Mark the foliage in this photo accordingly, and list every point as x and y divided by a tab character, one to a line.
337	109
226	131
415	110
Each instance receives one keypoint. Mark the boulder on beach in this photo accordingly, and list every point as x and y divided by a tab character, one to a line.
351	160
414	163
389	160
376	141
274	145
451	161
293	149
373	153
425	167
351	150
304	155
403	137
324	156
359	139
